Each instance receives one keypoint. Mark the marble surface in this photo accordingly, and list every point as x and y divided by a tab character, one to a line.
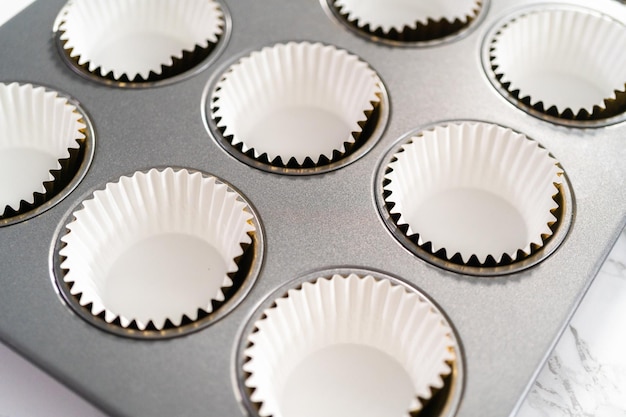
584	377
586	374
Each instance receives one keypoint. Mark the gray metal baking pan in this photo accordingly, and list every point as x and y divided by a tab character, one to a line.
507	324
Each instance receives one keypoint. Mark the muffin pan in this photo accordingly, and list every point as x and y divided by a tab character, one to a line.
504	312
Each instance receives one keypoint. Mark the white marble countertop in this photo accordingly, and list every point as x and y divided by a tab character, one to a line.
584	377
586	374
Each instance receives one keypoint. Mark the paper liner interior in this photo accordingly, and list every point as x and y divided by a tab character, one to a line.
155	247
139	40
39	131
474	192
564	63
410	21
371	324
295	102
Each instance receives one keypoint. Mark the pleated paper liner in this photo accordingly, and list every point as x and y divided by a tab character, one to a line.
474	197
45	149
297	108
561	63
159	253
402	22
348	342
136	43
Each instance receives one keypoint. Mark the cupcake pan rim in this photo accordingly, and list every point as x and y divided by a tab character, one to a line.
254	356
564	215
337	153
535	240
577	113
212	54
109	315
379	118
464	18
75	145
87	148
567	117
256	313
71	49
385	39
255	250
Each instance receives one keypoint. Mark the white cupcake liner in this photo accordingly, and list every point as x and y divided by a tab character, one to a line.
414	21
155	247
360	318
139	40
563	62
476	190
295	102
38	128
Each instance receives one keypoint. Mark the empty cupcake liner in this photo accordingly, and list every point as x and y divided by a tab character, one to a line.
408	21
562	62
347	345
139	41
474	193
155	250
40	135
296	105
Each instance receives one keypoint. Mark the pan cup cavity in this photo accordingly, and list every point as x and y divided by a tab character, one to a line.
42	149
139	42
347	343
158	252
297	108
474	197
401	22
561	64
